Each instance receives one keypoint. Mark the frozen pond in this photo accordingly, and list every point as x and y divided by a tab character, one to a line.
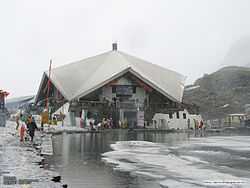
122	159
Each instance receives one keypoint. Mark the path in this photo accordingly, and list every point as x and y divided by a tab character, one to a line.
19	162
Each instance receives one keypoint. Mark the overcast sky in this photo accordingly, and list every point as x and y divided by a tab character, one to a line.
191	37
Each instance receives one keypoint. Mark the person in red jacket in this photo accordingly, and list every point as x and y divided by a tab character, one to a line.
201	128
22	131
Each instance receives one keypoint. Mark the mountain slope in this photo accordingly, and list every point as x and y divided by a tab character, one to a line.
220	93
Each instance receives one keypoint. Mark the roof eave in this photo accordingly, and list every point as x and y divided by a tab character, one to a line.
40	87
45	74
57	86
101	84
153	85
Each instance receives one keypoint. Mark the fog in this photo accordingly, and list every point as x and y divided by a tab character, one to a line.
192	37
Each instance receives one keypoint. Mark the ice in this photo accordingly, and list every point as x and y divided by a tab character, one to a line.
237	143
209	152
121	166
177	184
137	146
148	174
193	159
156	161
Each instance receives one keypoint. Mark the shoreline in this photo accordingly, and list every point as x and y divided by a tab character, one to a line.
22	164
76	130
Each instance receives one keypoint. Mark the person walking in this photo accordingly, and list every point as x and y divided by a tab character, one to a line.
32	127
201	127
22	131
196	126
188	123
44	118
91	126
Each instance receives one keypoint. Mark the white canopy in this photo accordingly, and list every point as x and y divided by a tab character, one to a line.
80	78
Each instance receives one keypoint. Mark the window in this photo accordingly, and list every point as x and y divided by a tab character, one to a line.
177	115
184	116
124	90
113	89
134	89
170	115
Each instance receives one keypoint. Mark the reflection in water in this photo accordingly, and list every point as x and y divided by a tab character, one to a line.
77	157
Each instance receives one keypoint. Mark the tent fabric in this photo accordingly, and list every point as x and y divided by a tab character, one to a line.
78	79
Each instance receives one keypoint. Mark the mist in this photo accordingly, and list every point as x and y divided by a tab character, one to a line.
191	37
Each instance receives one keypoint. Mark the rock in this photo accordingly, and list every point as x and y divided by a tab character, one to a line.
9	180
27	181
56	179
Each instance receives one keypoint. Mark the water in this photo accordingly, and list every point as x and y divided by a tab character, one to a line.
122	159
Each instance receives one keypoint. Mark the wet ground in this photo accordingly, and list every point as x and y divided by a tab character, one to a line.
128	159
19	162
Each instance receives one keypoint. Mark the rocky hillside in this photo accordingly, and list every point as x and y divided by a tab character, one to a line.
220	93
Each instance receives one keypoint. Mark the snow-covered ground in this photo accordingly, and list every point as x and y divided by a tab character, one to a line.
200	162
19	160
60	129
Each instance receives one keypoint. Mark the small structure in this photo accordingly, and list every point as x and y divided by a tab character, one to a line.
234	120
247	112
113	85
3	95
177	120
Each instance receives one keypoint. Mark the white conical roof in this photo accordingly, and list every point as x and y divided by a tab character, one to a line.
82	77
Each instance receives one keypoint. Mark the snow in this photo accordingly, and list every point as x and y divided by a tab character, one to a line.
237	143
171	170
148	174
192	88
225	106
193	159
177	184
5	135
20	160
60	129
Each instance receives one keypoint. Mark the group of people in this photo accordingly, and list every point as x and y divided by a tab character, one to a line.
26	126
106	123
199	127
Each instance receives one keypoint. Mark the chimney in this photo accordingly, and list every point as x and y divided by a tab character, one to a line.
114	46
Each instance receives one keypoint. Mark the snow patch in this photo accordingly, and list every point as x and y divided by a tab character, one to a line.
237	143
225	106
192	87
193	159
136	158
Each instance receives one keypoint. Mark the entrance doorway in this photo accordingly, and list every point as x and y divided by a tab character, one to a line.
131	117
